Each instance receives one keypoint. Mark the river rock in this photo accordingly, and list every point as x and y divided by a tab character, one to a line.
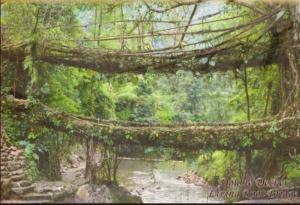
90	193
93	194
81	157
73	160
55	186
192	178
6	185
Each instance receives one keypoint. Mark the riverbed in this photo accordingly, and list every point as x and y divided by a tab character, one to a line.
155	181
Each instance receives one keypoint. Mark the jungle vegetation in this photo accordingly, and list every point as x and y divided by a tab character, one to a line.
150	62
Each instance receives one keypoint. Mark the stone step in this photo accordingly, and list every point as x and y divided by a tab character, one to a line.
17	152
23	183
37	196
4	164
18	177
12	148
10	158
17	172
21	162
16	161
36	201
5	181
3	155
13	167
21	158
22	190
3	159
5	174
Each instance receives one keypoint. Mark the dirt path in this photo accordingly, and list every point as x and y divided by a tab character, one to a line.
75	175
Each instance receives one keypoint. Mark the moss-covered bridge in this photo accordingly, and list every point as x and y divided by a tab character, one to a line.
232	52
264	133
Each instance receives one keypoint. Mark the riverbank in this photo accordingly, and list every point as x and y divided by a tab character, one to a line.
155	182
73	188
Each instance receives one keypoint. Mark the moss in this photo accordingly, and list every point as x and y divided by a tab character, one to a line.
218	166
121	195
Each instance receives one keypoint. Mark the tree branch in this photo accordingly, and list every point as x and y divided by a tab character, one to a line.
187	26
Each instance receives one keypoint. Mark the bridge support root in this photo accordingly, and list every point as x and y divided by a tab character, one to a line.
90	167
54	161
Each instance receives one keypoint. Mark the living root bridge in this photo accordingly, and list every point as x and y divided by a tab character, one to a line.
122	62
266	133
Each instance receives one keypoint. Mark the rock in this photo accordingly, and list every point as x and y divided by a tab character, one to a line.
4	164
5	174
90	193
13	167
18	177
17	172
22	190
21	158
5	187
72	160
157	187
4	160
10	158
199	183
4	150
17	153
23	183
74	166
93	194
81	158
192	177
37	196
78	174
83	194
12	164
3	155
54	187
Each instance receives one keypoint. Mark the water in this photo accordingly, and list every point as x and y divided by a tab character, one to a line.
156	182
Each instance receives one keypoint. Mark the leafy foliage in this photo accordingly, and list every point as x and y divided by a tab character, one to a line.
164	98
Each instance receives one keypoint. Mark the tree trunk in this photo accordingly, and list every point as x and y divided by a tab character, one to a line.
248	153
90	167
289	65
286	100
21	80
54	161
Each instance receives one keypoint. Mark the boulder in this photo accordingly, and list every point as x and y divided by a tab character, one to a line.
192	178
81	157
93	194
23	183
54	187
5	187
73	160
18	172
90	193
22	190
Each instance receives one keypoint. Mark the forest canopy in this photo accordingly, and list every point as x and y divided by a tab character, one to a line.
177	79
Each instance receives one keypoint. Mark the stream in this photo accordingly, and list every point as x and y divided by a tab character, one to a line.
155	181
